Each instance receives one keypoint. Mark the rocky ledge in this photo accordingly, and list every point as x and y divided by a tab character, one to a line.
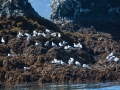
35	50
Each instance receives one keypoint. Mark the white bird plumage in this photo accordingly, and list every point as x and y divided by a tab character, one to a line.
61	45
19	35
59	35
47	43
47	31
64	42
43	34
116	59
77	45
2	40
111	54
70	61
63	63
53	44
77	63
40	34
28	36
86	66
70	47
66	47
38	44
53	34
10	55
26	68
35	33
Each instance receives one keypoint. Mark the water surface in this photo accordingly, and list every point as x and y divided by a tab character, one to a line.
98	86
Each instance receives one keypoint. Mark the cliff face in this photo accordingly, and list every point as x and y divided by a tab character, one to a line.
17	15
107	10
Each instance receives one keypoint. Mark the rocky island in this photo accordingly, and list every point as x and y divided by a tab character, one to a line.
80	44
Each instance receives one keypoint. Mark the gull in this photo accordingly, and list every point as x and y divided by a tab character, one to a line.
77	63
63	63
70	61
116	59
40	34
86	66
111	58
38	44
108	57
75	45
53	44
53	34
111	54
2	40
66	47
47	43
63	25
43	34
54	61
70	47
28	36
60	44
64	42
10	55
59	35
47	31
34	33
19	34
58	62
26	68
79	45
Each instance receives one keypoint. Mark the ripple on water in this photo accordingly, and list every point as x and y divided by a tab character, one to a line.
98	86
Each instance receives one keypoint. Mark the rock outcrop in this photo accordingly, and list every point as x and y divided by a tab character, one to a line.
22	61
92	10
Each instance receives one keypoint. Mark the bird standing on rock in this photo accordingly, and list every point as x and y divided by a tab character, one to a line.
53	44
10	55
77	63
64	42
37	44
28	36
70	61
59	35
19	35
47	31
2	40
47	43
86	66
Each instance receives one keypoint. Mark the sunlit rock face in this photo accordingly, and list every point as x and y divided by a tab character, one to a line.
73	10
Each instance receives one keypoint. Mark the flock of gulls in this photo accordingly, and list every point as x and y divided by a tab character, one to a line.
70	62
64	44
111	57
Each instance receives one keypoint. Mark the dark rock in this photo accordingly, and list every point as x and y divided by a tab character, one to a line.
101	10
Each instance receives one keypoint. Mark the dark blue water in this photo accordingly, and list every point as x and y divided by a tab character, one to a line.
98	86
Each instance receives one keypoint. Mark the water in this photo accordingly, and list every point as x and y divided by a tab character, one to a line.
98	86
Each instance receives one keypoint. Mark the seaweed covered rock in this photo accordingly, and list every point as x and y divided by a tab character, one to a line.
36	50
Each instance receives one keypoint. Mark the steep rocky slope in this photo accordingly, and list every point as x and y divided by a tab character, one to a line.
31	63
100	10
